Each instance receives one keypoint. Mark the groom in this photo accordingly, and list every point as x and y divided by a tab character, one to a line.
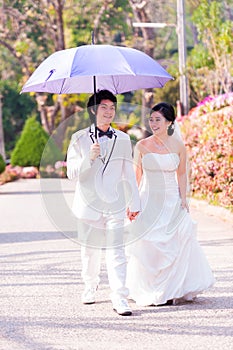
103	168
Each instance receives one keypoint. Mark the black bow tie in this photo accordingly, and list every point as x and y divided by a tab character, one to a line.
107	133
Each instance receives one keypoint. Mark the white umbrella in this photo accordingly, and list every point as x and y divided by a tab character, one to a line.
90	68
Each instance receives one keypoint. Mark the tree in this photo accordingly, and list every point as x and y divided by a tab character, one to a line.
147	39
2	141
15	111
2	164
30	30
31	145
210	64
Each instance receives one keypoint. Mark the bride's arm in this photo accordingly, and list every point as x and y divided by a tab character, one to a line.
138	163
182	177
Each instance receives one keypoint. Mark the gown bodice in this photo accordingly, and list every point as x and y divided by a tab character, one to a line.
167	162
159	193
159	171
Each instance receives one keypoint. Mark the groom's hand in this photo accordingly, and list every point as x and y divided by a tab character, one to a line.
94	151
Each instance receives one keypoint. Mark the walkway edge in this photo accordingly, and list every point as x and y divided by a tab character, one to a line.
217	211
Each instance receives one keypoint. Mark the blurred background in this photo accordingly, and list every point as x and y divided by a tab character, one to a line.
192	40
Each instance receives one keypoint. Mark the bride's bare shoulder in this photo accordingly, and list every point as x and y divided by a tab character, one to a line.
139	148
143	143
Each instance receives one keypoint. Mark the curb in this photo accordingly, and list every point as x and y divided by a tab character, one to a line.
207	208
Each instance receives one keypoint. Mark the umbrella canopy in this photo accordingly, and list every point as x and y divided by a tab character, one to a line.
118	69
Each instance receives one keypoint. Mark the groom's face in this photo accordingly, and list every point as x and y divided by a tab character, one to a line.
105	113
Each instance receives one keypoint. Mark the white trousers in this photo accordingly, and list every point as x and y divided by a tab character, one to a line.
106	233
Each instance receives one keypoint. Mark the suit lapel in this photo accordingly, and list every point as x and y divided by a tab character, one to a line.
111	143
91	133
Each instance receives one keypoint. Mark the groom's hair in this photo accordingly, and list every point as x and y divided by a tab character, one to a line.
95	100
166	109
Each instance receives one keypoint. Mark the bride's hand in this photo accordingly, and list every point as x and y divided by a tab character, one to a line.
184	205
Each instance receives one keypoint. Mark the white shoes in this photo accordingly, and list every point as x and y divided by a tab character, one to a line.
121	306
88	296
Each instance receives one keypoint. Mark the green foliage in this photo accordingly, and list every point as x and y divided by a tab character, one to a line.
210	62
25	29
199	57
72	124
169	93
108	18
208	16
16	109
213	28
31	145
33	29
2	164
51	154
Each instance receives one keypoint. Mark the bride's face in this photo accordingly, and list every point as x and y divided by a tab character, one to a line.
158	123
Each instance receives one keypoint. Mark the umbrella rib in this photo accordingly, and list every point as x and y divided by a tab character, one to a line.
113	83
63	82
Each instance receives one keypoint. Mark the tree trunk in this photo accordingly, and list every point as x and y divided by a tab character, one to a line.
60	45
48	114
2	144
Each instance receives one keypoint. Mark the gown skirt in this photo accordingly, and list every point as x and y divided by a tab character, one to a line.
165	260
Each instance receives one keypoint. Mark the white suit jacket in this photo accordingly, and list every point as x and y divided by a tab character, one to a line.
102	186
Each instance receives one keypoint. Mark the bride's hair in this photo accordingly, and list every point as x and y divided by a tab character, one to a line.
166	109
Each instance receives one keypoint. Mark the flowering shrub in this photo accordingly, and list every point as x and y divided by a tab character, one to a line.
208	133
56	171
10	174
13	173
29	172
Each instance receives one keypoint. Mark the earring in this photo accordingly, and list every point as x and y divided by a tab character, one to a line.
171	129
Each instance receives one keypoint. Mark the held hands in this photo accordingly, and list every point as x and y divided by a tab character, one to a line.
132	214
94	151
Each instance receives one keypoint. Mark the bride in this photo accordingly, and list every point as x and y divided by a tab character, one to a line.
166	263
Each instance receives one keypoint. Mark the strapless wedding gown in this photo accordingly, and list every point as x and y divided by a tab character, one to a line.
165	260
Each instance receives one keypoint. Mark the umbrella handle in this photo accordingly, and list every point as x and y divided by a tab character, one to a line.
95	107
94	83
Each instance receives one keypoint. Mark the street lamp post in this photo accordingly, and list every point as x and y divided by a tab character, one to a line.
182	50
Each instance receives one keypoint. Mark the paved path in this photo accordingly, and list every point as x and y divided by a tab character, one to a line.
40	288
